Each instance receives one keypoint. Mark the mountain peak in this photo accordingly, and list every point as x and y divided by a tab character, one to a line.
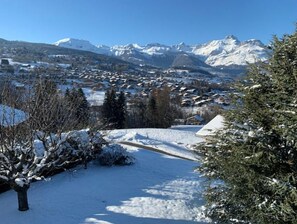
70	40
223	52
133	46
254	42
82	45
231	37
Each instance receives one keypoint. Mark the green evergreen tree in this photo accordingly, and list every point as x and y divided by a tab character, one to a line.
109	108
83	109
251	164
152	111
140	114
120	110
106	106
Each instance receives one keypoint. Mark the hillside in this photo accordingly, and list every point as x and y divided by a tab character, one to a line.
27	52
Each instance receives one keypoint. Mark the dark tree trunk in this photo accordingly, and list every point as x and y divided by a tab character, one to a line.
22	197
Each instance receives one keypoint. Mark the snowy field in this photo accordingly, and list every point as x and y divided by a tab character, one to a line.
178	140
95	98
156	189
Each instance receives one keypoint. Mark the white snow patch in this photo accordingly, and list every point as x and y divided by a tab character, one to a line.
20	181
255	86
10	116
95	98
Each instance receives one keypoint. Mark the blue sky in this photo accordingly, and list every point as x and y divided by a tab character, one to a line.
113	22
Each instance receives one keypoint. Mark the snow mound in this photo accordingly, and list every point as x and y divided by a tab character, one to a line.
115	154
133	137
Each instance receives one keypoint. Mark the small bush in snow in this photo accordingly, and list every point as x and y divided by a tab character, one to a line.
115	154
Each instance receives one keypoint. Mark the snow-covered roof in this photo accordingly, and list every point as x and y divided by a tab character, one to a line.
211	127
10	116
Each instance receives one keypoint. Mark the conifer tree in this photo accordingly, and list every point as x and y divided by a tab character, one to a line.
152	111
109	106
83	109
106	107
121	111
252	163
114	109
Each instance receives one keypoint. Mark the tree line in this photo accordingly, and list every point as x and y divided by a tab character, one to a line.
158	111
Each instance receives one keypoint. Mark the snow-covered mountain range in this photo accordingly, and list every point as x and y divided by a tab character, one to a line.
225	52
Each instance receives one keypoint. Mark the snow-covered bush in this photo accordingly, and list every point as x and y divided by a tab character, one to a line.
71	148
115	154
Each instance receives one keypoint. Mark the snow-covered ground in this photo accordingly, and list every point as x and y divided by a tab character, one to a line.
95	98
156	189
179	140
10	116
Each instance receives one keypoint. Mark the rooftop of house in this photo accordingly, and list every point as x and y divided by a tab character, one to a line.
211	127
